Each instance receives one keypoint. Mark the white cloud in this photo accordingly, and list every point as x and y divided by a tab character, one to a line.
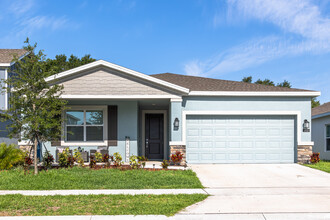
310	33
20	7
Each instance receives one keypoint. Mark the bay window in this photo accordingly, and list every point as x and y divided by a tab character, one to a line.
84	125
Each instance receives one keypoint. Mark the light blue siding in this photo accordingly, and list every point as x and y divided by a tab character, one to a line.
240	139
176	112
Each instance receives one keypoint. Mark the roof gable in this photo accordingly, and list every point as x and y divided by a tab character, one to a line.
103	82
123	70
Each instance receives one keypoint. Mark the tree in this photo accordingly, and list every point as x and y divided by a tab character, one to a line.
265	82
315	102
284	84
247	79
35	107
61	63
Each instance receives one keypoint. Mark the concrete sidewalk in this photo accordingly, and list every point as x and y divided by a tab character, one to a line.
102	191
259	216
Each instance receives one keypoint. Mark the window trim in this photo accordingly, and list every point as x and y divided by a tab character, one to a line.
326	137
85	108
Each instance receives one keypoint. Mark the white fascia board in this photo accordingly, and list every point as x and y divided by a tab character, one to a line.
119	97
5	64
321	115
226	93
119	68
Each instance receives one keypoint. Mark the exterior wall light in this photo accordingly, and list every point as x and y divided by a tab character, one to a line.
306	126
176	123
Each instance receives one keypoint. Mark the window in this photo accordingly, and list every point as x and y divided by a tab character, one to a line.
84	125
327	137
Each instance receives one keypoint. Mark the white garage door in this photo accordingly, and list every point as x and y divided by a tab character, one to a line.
240	139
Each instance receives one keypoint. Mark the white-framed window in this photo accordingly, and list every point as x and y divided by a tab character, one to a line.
327	137
85	125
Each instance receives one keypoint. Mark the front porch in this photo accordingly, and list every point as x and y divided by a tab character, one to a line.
142	127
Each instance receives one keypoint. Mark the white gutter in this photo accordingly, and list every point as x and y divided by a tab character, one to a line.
247	93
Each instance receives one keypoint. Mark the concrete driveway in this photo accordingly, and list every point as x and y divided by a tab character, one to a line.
262	188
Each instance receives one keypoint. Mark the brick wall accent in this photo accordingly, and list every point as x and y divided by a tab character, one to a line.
304	153
182	149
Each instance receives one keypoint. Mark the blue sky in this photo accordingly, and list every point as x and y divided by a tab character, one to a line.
228	39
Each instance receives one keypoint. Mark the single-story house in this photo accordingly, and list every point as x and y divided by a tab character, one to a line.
209	120
321	130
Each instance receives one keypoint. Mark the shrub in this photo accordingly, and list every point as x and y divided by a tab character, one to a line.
134	162
143	160
98	157
70	161
48	160
315	157
105	158
117	159
27	162
165	164
177	157
10	156
63	158
92	162
78	158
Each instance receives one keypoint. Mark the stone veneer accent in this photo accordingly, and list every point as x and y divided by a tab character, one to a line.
304	153
182	149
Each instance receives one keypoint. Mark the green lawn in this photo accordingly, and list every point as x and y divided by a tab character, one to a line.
16	205
85	178
323	165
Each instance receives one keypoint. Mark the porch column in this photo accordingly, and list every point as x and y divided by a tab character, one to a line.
176	132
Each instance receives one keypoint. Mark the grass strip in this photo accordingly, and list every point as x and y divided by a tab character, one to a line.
85	178
19	205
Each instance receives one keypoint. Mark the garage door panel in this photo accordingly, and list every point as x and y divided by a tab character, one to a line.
240	139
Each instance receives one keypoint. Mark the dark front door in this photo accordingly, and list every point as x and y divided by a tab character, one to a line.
154	136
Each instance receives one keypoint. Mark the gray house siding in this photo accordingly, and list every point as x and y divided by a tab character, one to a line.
318	136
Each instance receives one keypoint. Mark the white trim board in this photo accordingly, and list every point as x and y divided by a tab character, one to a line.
248	93
119	97
164	112
5	64
295	113
6	93
118	68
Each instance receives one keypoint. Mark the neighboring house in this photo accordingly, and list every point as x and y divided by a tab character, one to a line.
209	120
321	130
6	57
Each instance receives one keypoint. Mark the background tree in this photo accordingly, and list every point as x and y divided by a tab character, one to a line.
35	107
315	102
285	83
61	63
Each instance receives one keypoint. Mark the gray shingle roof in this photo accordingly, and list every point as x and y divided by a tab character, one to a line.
195	83
7	55
325	108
